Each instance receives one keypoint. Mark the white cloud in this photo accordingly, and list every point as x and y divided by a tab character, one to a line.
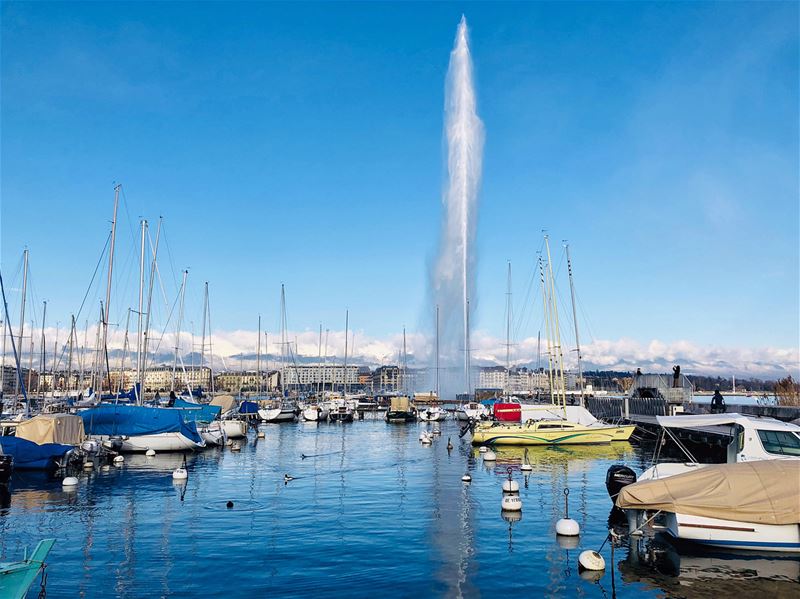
233	348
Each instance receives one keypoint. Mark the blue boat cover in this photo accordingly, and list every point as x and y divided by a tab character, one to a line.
32	456
197	412
248	407
134	421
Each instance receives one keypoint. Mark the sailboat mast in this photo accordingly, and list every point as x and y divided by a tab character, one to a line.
139	330
405	364
556	327
42	351
575	321
258	359
467	357
346	332
72	333
283	341
108	281
319	360
22	317
19	382
545	305
150	286
508	330
437	351
178	328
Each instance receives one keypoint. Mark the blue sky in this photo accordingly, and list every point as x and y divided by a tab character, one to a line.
302	143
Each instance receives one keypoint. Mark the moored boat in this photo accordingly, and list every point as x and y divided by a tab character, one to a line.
17	577
400	410
548	432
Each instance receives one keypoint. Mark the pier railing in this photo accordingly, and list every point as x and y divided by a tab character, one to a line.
611	408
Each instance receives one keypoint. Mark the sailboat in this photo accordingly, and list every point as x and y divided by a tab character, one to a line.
281	410
341	409
434	412
401	408
553	424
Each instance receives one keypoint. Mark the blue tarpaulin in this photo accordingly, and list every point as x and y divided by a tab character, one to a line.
197	412
32	456
248	407
134	421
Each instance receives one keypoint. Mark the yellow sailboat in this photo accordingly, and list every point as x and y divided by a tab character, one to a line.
555	427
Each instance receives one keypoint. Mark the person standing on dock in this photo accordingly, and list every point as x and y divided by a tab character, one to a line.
676	376
717	403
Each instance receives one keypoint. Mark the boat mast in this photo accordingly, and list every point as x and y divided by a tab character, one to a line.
546	307
508	331
72	333
108	281
150	285
405	364
30	369
178	328
575	321
43	353
139	330
467	358
124	354
437	352
203	338
556	328
325	363
53	371
319	360
346	325
283	341
210	347
19	382
258	359
22	322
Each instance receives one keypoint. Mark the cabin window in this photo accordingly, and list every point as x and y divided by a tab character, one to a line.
780	442
541	426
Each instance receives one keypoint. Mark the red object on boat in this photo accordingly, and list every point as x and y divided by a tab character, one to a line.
508	412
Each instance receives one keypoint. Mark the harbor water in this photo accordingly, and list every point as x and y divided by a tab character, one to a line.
369	511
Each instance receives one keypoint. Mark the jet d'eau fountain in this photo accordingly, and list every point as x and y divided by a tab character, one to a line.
453	273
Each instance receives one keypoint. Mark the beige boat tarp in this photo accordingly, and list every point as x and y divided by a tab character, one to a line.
399	404
762	492
52	428
226	402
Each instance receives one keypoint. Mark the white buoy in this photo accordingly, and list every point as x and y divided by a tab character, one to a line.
261	434
510	486
483	449
422	435
567	527
526	467
427	440
88	465
466	478
591	560
489	456
229	442
105	468
437	431
119	459
511	503
150	453
180	474
70	481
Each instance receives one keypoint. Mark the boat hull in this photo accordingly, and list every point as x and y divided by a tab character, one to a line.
400	417
525	434
17	577
336	416
729	534
277	415
234	429
432	415
315	414
158	442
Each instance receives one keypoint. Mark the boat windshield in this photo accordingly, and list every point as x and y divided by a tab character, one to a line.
780	442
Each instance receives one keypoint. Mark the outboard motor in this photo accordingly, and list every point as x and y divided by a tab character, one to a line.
469	427
6	466
617	477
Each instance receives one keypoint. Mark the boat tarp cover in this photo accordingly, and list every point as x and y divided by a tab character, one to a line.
248	407
199	412
761	492
225	402
52	428
400	404
134	421
32	456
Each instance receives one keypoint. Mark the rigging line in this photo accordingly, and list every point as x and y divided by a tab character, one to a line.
169	254
128	214
166	324
91	283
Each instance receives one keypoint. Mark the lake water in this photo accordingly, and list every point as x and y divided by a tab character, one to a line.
371	512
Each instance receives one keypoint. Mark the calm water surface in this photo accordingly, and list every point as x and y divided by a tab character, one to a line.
370	512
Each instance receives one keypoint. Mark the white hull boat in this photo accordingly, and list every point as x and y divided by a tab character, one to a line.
433	414
729	534
277	415
234	429
472	411
157	442
315	414
213	433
